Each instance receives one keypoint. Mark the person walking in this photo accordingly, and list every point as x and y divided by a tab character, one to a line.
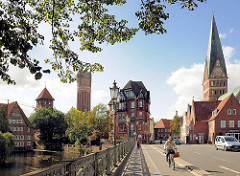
138	143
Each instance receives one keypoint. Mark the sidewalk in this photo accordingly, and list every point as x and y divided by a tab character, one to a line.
135	165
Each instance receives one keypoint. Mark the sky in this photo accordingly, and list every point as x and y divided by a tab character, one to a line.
170	65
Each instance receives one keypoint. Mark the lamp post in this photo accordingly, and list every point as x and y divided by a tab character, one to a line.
114	92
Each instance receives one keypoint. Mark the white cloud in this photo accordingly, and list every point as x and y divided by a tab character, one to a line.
228	52
99	95
187	83
222	36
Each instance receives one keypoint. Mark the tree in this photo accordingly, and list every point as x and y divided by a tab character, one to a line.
85	125
176	125
7	143
51	124
4	124
98	119
19	21
77	126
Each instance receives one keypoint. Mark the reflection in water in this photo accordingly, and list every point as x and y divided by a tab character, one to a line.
24	162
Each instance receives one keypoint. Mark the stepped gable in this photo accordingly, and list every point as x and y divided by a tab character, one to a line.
45	95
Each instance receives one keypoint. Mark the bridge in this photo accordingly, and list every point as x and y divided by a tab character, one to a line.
126	160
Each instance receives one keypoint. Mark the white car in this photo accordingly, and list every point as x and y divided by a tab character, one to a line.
227	143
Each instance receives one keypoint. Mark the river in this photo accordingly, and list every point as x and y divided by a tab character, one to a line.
24	162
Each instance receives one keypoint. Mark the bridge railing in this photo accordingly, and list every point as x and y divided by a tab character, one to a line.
98	163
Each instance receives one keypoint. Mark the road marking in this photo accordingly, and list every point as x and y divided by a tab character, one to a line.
230	169
144	152
220	159
197	153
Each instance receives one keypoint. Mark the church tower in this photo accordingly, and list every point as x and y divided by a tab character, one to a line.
44	99
84	91
215	79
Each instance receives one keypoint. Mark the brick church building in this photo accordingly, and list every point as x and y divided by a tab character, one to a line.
219	112
133	104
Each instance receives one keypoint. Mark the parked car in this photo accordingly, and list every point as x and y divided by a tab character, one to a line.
177	141
227	143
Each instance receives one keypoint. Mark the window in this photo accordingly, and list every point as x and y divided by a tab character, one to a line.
120	106
123	118
132	114
28	137
21	128
28	129
234	111
212	83
239	124
111	108
132	127
14	128
21	137
140	115
17	137
162	130
223	91
133	105
28	143
119	116
231	123
223	123
17	144
229	112
140	104
22	144
139	127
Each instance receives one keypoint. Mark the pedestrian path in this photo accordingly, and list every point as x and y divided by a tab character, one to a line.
135	165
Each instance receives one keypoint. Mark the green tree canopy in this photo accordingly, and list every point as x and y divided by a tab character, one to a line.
20	19
82	125
4	124
7	143
51	124
176	125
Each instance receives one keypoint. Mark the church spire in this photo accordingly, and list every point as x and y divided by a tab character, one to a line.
215	80
214	50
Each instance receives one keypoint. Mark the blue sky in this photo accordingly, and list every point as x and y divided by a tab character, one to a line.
170	65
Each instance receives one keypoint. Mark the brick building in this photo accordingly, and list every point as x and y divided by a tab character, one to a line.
20	126
133	103
162	129
44	99
225	119
84	91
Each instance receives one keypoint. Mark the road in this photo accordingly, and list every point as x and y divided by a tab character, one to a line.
206	157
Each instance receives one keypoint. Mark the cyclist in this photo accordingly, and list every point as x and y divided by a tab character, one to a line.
169	147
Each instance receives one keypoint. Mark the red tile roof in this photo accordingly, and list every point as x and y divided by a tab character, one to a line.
163	123
203	109
45	95
9	107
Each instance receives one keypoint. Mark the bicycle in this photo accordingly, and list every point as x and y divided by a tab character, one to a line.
171	161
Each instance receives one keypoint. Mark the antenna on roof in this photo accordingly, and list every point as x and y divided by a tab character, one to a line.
193	97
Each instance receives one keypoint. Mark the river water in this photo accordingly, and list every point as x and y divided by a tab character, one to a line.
24	162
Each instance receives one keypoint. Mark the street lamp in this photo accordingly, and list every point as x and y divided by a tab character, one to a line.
114	92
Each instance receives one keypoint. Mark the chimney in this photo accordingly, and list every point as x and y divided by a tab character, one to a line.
176	113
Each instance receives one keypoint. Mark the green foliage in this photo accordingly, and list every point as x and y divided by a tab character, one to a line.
19	21
51	124
176	125
7	143
94	124
4	124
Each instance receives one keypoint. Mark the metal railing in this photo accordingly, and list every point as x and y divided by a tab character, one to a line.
98	163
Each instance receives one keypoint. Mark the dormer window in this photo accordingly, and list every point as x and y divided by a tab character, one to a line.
133	105
140	104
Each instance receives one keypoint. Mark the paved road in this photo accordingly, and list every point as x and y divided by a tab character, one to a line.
205	157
